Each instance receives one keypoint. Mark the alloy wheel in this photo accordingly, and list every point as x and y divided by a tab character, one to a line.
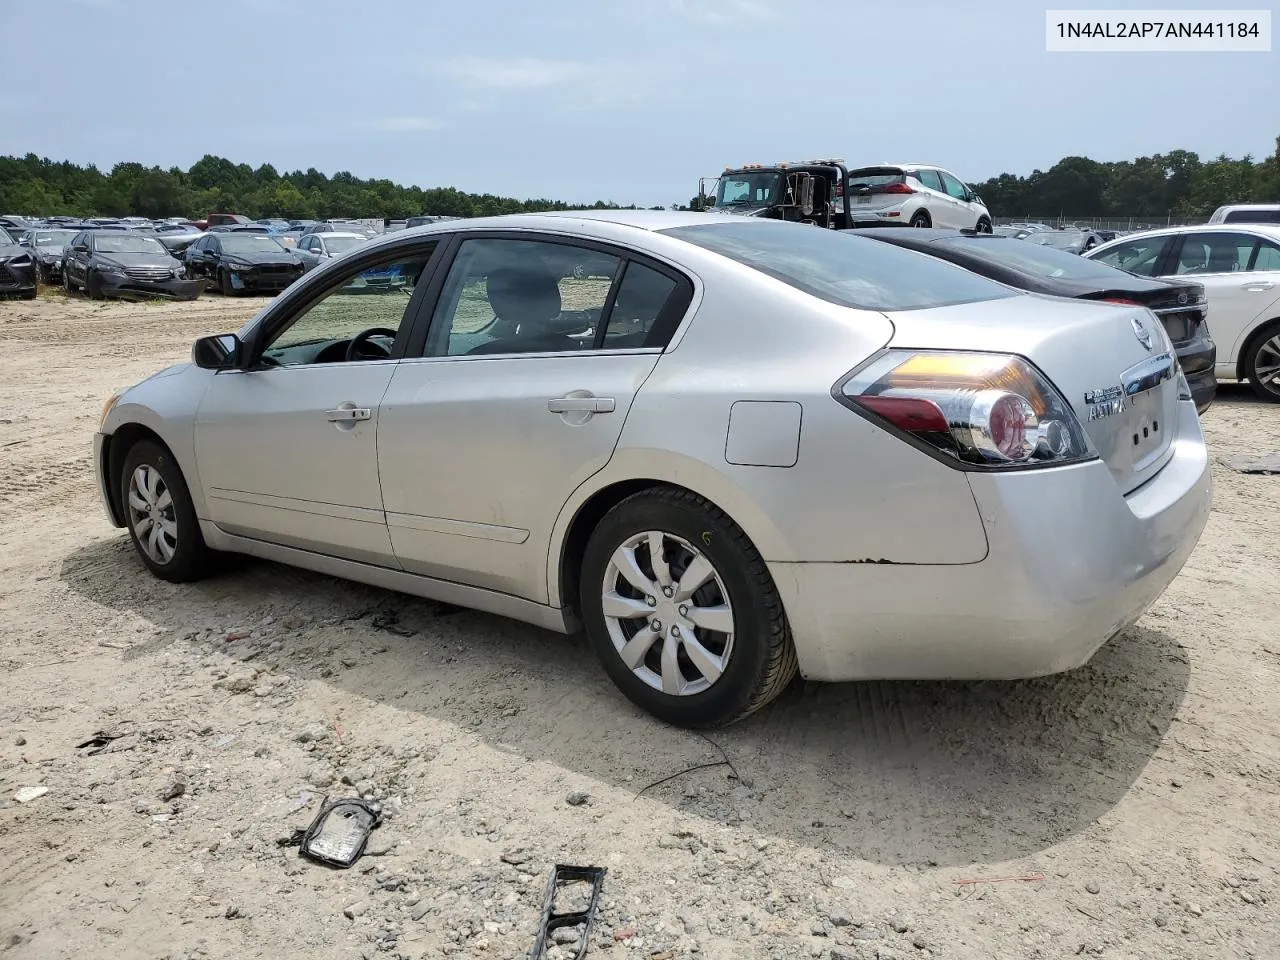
151	511
668	613
1266	364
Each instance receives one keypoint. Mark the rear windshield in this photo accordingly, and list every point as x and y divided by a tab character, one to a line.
1034	258
875	176
841	268
1252	216
340	244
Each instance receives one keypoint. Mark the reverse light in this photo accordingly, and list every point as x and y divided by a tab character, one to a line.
986	410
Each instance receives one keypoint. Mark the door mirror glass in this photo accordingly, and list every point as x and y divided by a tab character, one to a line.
219	352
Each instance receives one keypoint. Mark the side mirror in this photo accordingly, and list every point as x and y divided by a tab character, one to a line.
806	196
219	352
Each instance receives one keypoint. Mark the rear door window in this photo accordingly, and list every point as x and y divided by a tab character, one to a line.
930	179
1142	255
1215	253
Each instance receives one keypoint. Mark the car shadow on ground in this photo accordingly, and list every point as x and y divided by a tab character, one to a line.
921	773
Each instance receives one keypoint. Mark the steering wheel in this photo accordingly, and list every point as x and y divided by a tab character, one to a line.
360	347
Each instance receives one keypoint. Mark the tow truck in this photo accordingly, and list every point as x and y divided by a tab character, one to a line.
807	191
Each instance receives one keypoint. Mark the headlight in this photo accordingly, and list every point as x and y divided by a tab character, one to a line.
106	266
240	266
179	271
109	406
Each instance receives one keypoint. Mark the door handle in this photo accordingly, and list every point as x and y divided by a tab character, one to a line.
347	414
1257	286
581	405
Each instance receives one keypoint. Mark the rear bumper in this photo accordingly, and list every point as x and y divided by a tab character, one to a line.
1071	563
116	285
1197	359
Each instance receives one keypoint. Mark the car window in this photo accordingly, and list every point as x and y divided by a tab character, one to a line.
1140	255
641	297
1268	257
840	268
952	186
930	179
520	296
374	296
1253	216
1215	253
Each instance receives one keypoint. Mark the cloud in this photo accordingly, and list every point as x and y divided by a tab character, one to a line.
405	124
520	73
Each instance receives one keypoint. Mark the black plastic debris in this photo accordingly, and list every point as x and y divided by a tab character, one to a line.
1265	463
389	620
106	742
339	833
563	877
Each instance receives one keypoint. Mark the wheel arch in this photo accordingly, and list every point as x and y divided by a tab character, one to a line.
626	476
1249	341
118	445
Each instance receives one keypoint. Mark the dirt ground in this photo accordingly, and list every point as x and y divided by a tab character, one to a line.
1134	803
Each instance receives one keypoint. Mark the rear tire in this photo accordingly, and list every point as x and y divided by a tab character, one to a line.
754	659
921	218
1262	362
160	515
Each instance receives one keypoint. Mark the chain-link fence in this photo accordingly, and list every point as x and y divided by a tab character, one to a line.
1106	223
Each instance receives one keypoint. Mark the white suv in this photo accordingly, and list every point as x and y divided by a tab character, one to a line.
914	194
1247	213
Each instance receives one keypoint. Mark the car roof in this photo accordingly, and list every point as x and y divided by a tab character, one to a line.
1270	230
330	234
1231	207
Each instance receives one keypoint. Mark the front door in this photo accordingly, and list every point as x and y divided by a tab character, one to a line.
287	448
526	377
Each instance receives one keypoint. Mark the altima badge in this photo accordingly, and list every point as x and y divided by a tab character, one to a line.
1106	402
1141	332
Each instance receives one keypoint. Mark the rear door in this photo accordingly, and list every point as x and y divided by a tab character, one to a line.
960	215
1241	277
517	396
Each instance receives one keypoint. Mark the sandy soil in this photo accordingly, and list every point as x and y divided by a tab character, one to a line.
1142	791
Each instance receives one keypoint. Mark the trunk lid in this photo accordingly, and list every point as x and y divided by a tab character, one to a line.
1113	363
877	188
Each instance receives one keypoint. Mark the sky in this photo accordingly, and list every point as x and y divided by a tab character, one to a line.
623	100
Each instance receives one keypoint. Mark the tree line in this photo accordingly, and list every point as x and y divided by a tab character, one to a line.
1177	184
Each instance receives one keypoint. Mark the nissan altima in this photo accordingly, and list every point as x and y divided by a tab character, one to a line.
748	449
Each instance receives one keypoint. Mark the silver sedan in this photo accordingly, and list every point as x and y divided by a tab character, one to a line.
748	448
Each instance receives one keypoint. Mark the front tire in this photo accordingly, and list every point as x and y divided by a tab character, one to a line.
699	637
1262	362
224	283
160	515
93	286
67	285
984	225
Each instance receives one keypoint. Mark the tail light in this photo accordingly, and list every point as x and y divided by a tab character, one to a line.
1126	302
989	410
895	188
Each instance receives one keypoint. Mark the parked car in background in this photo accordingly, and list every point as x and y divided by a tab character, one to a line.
425	219
178	236
1247	213
1017	233
1239	266
917	195
1180	305
46	246
1072	241
273	224
225	219
343	226
14	225
238	263
315	248
18	272
562	462
108	263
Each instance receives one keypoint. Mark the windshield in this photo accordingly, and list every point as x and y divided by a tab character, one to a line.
1038	259
53	238
127	243
250	243
743	189
843	269
342	244
4	236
